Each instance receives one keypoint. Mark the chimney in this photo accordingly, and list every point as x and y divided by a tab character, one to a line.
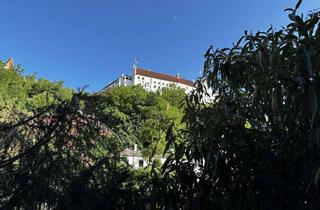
135	147
134	70
135	66
178	75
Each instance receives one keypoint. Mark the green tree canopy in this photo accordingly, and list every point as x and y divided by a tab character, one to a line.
138	116
27	93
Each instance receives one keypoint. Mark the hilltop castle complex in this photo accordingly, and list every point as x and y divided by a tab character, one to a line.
151	81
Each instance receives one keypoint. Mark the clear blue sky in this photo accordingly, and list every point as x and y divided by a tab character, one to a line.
91	42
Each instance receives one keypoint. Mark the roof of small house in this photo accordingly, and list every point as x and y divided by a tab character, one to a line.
9	64
131	153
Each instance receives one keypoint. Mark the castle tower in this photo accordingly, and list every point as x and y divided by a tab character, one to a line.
9	64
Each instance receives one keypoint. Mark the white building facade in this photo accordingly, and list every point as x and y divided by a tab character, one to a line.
123	80
152	81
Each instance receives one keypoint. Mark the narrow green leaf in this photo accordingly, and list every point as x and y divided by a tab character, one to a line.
316	177
288	9
298	4
313	103
170	137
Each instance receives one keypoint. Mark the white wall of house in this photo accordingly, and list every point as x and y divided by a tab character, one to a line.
135	158
137	162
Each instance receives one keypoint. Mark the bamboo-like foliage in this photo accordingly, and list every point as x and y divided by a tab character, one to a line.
257	145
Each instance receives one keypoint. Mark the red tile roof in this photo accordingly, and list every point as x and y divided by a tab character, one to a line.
149	73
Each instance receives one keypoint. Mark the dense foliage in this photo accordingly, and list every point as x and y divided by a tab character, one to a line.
56	149
257	145
27	93
63	159
137	116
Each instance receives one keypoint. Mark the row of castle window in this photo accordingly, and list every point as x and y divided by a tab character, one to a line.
158	83
154	81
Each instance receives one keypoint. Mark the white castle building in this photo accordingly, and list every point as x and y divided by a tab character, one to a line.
152	81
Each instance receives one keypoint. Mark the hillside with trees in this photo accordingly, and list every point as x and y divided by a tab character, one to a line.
138	116
256	147
27	93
